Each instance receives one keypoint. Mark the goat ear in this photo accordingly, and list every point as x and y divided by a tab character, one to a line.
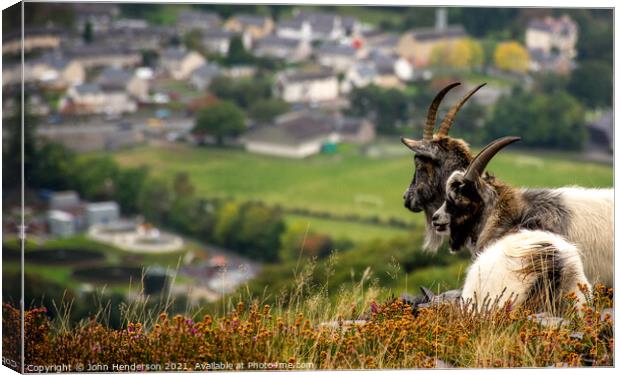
419	147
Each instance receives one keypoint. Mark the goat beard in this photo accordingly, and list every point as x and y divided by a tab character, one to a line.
432	240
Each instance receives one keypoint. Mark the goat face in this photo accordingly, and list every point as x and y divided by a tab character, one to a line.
433	165
460	211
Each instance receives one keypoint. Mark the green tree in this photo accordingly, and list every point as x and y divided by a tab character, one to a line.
12	149
182	186
220	120
129	184
237	54
549	121
265	110
155	201
592	84
227	219
244	92
95	177
390	108
259	232
55	167
87	34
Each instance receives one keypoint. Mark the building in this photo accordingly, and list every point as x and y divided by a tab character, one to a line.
179	63
295	135
339	57
552	34
41	38
380	41
289	49
308	86
417	45
64	200
97	55
118	79
50	70
188	20
98	15
355	130
551	43
317	26
61	223
217	40
256	26
90	98
201	77
102	213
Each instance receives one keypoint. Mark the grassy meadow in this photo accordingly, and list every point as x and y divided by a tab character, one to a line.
348	182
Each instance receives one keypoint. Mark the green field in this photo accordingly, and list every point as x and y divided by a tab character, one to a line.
345	183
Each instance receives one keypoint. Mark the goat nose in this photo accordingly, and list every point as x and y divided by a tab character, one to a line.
435	217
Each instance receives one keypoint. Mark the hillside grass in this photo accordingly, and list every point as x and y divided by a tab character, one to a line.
345	183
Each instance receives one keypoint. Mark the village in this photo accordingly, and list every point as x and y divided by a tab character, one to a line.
114	82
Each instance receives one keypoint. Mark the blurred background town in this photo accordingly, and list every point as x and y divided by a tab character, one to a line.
177	154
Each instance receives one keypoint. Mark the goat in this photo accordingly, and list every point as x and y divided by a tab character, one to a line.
436	157
480	210
533	268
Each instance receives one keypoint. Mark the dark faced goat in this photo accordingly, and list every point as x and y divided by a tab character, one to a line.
480	211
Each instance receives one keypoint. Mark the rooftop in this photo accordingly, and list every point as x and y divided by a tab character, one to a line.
294	129
430	34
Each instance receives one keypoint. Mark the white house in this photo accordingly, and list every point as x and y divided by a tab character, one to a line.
61	223
118	79
308	86
550	33
202	76
339	57
217	40
102	213
296	135
90	98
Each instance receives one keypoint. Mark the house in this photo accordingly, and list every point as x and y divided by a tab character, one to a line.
90	98
217	40
102	213
294	135
376	69
61	223
98	15
339	57
64	200
179	63
417	45
51	70
96	56
120	79
549	34
379	41
541	61
308	86
39	38
295	28
355	130
188	20
289	49
256	26
134	39
201	77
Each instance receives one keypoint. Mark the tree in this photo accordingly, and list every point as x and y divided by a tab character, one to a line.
244	92
227	219
182	186
237	54
512	56
483	21
259	231
390	107
265	110
222	119
463	54
155	201
55	167
129	184
12	151
95	177
87	34
296	240
592	84
550	121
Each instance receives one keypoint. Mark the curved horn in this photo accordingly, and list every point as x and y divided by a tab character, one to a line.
446	124
431	117
483	158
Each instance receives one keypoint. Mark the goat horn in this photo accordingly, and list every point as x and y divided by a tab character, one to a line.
446	124
483	158
431	117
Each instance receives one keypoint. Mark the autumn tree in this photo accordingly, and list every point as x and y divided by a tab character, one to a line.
465	53
512	57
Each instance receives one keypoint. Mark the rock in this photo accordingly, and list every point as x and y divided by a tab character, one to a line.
547	320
